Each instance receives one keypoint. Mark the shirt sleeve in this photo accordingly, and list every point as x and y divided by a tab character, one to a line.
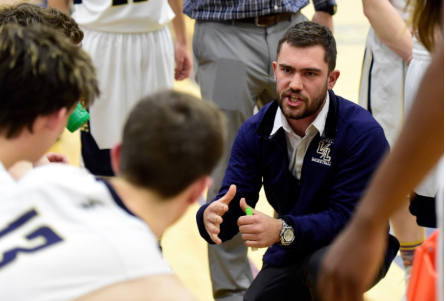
325	5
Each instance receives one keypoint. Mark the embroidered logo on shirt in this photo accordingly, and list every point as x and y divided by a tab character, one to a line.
324	150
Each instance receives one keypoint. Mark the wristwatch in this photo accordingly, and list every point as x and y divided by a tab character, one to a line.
286	234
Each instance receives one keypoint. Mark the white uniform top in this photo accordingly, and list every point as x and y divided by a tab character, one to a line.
400	6
123	16
6	180
63	235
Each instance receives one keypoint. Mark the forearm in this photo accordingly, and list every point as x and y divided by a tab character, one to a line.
324	18
62	5
417	150
389	27
178	23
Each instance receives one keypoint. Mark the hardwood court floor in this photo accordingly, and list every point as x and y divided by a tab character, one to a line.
182	245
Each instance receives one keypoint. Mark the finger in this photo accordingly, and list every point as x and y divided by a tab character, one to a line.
185	72
216	239
227	198
179	60
219	208
325	287
249	228
248	236
244	206
213	233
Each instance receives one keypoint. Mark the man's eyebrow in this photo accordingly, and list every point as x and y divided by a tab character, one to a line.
282	65
312	70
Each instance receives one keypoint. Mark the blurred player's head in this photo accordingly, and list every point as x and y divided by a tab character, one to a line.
170	140
42	77
25	14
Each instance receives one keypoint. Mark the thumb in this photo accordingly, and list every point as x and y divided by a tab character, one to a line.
243	205
227	198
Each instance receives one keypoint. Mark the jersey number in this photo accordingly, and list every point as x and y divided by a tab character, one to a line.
124	2
48	235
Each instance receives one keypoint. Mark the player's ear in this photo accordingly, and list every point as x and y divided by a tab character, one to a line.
54	121
115	155
332	78
198	188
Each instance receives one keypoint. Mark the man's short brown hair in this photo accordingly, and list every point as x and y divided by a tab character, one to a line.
41	72
25	14
171	139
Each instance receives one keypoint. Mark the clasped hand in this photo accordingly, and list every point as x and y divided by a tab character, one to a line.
258	230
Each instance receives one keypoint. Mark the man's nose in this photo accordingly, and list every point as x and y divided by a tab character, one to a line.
296	82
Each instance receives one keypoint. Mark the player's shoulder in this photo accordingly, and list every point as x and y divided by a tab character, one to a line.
61	178
55	173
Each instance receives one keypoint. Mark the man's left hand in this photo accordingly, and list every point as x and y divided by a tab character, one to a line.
258	230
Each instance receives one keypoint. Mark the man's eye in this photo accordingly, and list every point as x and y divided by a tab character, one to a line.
286	70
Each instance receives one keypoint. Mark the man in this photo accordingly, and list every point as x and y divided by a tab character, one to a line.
314	152
66	235
234	45
131	45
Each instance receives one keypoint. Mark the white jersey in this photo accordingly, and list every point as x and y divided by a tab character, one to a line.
64	235
123	16
6	180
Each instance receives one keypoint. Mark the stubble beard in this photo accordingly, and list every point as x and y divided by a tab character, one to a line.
309	107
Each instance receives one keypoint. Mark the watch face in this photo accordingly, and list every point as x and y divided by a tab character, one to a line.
288	235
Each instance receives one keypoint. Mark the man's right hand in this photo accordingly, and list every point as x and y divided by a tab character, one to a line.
212	216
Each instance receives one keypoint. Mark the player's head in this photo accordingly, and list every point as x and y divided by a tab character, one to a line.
307	34
42	74
25	14
170	140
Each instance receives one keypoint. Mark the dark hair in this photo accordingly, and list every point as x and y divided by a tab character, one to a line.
26	14
426	18
171	139
41	72
307	34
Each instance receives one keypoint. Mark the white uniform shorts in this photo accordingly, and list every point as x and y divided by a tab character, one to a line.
382	86
129	66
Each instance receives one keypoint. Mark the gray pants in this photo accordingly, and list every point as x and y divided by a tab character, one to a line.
233	64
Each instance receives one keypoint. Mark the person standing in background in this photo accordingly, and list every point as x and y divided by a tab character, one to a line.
234	46
132	48
349	265
388	52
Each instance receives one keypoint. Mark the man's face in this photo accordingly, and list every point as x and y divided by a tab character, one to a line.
301	80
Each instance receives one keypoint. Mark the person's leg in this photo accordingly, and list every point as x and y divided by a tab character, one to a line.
278	283
229	66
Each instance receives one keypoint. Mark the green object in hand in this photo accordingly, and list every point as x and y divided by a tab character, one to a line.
78	118
249	211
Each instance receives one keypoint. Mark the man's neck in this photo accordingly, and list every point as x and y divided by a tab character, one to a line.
12	151
145	204
300	126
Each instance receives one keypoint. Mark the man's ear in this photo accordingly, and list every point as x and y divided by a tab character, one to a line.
274	68
55	120
198	188
332	78
115	155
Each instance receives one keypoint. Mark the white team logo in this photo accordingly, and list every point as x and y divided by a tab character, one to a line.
324	150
